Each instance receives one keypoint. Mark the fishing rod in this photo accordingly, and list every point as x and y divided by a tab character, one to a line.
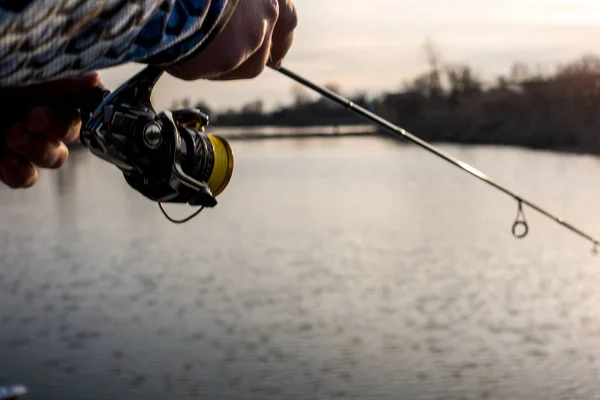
520	228
168	158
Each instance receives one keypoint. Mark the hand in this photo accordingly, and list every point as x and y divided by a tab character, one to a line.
259	33
36	136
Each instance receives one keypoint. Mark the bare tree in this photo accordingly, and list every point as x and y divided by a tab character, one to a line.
587	64
433	57
433	54
420	84
503	82
463	80
520	73
254	107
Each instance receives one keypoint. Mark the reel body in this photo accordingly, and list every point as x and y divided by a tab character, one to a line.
166	156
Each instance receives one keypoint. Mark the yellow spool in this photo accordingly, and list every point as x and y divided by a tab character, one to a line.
223	165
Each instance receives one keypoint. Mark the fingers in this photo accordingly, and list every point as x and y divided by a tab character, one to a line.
42	138
254	65
41	151
37	136
277	41
26	150
54	123
242	37
283	35
16	172
259	33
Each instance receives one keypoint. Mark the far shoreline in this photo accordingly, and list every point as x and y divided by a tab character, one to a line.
262	133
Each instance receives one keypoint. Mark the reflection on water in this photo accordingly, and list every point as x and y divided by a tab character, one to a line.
352	268
283	130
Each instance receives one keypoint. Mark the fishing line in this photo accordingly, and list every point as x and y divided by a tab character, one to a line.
520	228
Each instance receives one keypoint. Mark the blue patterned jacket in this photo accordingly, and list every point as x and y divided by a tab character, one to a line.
41	40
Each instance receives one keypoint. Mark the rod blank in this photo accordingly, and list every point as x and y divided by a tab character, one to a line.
396	132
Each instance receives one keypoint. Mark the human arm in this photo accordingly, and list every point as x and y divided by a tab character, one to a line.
227	42
47	40
192	39
47	47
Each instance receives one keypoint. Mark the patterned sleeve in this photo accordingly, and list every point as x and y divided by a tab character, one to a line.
42	40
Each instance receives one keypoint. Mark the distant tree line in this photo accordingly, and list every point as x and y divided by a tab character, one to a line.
451	103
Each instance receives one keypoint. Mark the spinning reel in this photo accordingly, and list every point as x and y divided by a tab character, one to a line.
166	156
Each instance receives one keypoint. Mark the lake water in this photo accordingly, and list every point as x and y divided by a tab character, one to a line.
353	268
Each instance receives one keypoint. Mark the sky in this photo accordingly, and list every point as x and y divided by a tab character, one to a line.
375	45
